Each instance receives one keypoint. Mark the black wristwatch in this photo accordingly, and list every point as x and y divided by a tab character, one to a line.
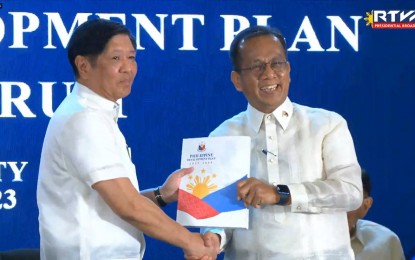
284	193
159	198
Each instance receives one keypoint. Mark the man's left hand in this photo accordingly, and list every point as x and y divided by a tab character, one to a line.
256	193
170	188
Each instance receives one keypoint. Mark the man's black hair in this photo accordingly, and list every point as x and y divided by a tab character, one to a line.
367	186
91	38
249	33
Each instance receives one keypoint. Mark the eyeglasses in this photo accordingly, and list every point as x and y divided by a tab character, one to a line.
258	69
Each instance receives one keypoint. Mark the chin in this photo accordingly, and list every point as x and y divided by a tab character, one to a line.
125	91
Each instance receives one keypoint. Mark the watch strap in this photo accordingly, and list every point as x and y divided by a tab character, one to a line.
159	198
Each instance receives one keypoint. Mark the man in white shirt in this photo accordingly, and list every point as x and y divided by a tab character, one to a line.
371	240
90	206
304	172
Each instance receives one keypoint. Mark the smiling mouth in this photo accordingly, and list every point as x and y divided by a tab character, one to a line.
125	81
270	88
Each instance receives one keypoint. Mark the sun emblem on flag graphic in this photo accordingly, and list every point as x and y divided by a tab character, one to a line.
202	198
201	186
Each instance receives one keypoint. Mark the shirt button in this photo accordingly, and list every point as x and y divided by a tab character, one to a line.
270	137
299	207
271	160
269	117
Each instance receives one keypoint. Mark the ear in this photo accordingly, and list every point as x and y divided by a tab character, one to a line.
367	204
83	65
236	80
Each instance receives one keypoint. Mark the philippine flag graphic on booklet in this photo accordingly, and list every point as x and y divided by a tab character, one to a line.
207	196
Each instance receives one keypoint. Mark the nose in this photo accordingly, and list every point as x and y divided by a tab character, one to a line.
268	71
128	66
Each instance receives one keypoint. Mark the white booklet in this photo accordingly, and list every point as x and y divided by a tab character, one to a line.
208	196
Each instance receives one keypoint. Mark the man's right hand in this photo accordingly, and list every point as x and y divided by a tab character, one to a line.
212	240
198	248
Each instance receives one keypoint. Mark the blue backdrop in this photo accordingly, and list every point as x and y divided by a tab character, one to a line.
183	90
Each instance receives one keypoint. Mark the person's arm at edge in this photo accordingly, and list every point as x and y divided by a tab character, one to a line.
142	213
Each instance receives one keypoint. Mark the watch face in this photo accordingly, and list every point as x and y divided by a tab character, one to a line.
283	189
284	193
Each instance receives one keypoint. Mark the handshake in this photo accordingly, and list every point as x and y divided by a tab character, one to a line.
203	247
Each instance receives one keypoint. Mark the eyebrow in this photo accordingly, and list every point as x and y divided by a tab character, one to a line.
274	58
122	51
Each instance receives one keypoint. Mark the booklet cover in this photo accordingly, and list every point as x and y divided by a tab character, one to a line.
207	196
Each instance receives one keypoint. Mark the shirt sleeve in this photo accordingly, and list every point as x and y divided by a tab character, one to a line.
340	189
92	152
396	248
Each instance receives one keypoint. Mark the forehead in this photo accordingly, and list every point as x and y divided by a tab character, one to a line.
120	42
261	47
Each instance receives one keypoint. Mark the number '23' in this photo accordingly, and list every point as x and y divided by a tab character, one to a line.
10	196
